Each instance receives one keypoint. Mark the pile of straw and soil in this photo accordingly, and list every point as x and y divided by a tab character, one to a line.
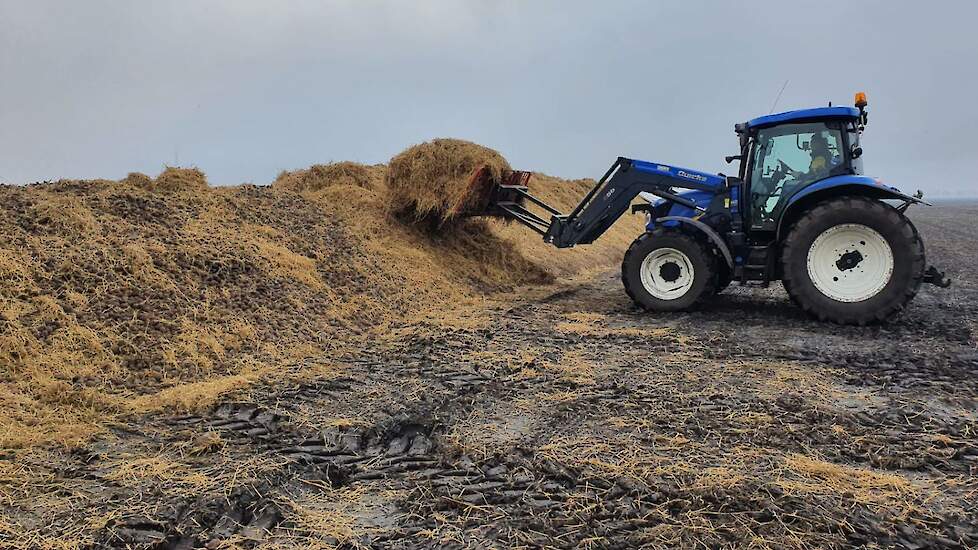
121	297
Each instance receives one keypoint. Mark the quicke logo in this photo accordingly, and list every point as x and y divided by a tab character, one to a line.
687	175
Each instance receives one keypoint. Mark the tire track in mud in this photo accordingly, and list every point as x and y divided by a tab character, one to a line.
577	421
524	494
397	449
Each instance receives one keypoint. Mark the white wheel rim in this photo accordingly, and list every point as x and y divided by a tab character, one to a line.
667	274
850	262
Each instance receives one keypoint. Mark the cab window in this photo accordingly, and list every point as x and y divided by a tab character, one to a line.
788	158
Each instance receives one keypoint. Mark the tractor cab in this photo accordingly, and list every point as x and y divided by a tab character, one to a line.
784	154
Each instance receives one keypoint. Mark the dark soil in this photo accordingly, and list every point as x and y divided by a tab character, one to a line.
570	419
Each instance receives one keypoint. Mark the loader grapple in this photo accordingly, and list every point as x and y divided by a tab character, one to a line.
509	200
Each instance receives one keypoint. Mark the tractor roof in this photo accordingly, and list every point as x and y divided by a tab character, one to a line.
804	114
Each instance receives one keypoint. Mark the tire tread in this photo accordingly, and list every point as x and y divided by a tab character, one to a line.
658	233
792	249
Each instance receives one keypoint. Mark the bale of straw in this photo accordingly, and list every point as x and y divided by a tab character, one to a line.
174	179
321	176
436	179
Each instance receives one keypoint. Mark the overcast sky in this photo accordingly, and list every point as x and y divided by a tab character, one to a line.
244	89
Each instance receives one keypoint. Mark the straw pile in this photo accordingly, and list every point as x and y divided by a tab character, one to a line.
147	293
138	179
437	179
115	298
180	179
171	180
320	176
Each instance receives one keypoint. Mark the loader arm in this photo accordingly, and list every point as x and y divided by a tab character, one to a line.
605	202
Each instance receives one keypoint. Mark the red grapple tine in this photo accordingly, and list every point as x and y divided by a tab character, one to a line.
479	183
510	191
493	193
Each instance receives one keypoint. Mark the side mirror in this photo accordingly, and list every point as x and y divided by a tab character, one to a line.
857	152
731	158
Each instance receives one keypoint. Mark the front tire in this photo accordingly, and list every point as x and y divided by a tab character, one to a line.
853	260
667	270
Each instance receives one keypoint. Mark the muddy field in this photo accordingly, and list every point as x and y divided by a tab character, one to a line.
562	417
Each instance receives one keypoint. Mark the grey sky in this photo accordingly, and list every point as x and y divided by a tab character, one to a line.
244	89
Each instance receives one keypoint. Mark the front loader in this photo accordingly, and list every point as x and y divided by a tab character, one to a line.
800	211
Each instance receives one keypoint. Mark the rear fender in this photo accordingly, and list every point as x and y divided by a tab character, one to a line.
833	187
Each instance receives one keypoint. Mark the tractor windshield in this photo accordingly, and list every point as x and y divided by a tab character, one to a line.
788	158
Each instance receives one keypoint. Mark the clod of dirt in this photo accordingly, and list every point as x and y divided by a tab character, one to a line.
180	179
437	179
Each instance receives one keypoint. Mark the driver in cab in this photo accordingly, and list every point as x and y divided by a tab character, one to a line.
822	161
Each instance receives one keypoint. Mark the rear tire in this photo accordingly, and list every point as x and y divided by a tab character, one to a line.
853	260
667	270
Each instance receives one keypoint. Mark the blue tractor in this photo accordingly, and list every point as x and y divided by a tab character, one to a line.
799	210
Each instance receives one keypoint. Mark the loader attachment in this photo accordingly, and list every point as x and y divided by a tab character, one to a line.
509	198
601	207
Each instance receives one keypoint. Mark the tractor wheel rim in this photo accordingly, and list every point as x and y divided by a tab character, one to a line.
667	274
850	262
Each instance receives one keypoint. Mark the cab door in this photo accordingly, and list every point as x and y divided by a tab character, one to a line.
785	160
